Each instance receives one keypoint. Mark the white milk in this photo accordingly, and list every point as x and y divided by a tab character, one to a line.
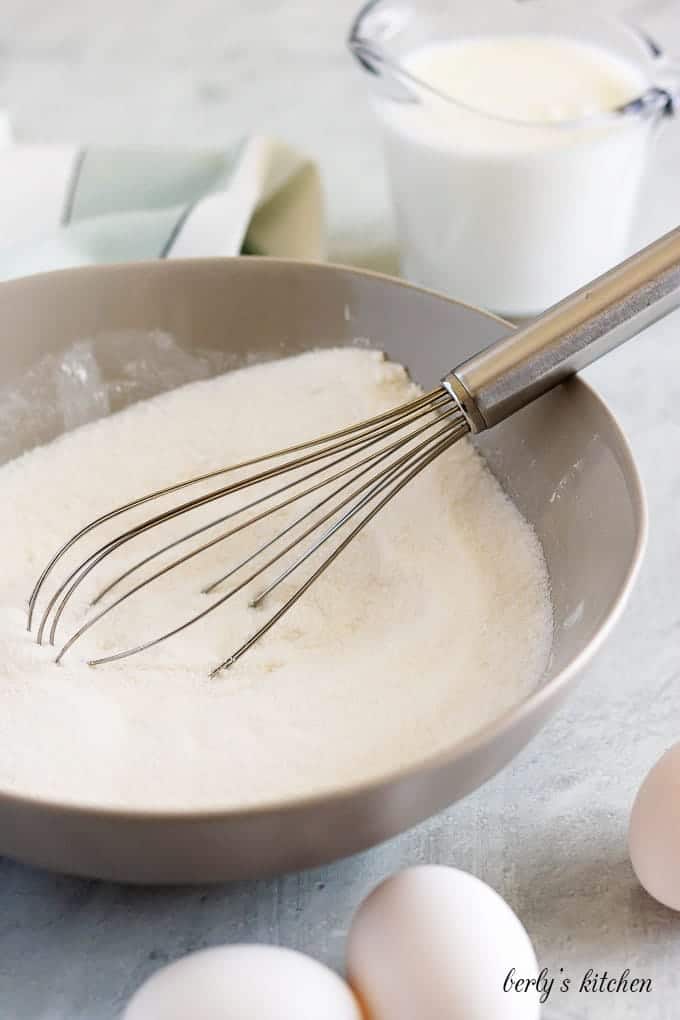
513	181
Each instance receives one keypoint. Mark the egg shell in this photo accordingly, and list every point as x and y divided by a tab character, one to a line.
434	943
244	982
654	831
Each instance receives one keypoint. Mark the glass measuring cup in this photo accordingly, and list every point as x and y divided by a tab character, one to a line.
505	213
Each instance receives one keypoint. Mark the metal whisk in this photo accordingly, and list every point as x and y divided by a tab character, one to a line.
348	476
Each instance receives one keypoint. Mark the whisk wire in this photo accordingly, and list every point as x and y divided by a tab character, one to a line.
177	486
220	520
390	448
374	459
414	469
235	656
75	578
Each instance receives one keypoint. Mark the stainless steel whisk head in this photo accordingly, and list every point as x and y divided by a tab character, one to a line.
348	476
356	471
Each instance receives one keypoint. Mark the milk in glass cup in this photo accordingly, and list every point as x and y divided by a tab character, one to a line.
516	138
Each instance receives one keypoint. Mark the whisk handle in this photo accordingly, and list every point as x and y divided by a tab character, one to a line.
602	315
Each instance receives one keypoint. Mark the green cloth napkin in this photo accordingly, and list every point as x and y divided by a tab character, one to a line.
67	206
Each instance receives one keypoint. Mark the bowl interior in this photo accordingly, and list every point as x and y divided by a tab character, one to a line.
563	460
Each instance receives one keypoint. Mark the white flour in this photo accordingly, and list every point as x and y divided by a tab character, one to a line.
432	623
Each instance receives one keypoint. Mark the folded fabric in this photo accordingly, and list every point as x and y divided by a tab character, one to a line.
66	206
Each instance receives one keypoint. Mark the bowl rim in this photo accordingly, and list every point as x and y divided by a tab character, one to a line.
429	763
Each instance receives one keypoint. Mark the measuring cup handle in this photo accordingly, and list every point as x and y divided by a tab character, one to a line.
602	315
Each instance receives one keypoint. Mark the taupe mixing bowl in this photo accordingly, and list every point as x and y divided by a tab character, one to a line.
563	459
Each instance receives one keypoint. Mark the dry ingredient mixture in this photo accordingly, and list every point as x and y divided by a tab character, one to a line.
432	623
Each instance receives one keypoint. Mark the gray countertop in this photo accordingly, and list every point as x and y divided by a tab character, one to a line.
549	833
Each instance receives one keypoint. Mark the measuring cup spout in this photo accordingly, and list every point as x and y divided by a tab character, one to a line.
377	25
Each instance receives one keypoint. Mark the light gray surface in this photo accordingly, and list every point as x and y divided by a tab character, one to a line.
549	833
